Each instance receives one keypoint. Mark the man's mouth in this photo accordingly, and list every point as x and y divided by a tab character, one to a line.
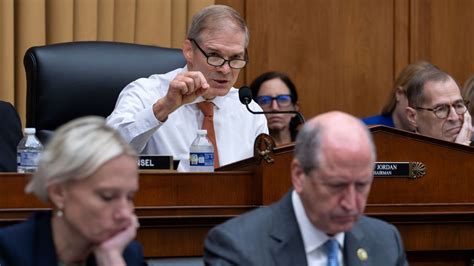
345	219
274	119
220	81
454	130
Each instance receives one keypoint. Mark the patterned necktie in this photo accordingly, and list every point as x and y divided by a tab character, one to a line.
332	250
207	108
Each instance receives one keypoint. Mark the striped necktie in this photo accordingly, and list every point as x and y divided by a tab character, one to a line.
332	249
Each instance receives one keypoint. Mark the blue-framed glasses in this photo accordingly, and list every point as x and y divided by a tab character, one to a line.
283	100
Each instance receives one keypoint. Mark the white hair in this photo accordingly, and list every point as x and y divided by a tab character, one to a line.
76	151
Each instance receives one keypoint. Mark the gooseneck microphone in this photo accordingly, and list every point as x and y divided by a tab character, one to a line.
245	97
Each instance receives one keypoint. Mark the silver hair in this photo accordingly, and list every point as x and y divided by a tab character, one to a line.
75	152
308	146
415	90
214	18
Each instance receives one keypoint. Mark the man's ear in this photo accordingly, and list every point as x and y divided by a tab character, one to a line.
412	116
57	195
297	175
188	52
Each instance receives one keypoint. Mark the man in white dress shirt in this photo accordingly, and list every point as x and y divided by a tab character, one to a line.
331	175
160	115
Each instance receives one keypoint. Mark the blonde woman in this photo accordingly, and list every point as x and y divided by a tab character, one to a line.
89	174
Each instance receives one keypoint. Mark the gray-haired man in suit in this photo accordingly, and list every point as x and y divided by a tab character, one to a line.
319	222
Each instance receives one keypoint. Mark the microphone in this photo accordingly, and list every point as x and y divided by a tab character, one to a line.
245	97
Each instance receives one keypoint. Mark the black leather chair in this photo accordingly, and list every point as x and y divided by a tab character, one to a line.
70	80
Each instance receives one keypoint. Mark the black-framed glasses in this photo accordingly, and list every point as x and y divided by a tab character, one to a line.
283	100
218	61
443	111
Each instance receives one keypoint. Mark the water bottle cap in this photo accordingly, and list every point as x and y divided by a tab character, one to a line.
30	130
202	132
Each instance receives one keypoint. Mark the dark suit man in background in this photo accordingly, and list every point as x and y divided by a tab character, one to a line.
10	136
436	107
320	222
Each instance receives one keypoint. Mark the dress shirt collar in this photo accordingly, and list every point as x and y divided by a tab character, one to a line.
313	238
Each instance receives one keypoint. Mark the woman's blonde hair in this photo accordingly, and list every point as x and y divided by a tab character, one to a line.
76	151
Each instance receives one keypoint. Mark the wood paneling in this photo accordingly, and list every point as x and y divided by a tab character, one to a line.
401	40
338	52
443	33
345	54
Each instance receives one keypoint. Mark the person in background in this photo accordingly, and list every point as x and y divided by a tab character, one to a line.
468	96
393	114
10	136
320	221
161	114
274	91
90	175
436	107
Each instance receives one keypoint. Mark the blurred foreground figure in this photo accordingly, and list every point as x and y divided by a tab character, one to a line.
89	174
320	221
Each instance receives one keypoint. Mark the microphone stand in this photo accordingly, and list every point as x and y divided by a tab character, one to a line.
298	114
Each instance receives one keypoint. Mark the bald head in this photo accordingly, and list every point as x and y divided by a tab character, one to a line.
333	170
334	132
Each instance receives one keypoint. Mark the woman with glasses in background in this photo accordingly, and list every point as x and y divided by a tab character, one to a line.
274	91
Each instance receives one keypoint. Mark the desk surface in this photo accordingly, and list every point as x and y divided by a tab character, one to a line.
434	213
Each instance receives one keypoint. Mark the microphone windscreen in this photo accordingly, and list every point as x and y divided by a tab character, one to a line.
245	95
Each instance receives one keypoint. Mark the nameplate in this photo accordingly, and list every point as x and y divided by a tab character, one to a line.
410	170
155	162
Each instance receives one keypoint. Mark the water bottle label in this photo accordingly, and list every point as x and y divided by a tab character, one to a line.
28	159
201	159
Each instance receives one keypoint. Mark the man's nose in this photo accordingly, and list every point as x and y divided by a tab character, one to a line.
349	200
274	105
225	68
452	114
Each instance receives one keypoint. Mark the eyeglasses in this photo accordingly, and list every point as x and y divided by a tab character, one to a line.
444	110
283	100
218	61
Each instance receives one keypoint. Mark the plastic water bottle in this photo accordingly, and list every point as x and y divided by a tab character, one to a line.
201	153
28	152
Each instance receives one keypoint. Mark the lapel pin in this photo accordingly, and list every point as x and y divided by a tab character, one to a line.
362	254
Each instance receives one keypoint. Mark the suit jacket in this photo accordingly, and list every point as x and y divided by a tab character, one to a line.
271	236
10	136
31	243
